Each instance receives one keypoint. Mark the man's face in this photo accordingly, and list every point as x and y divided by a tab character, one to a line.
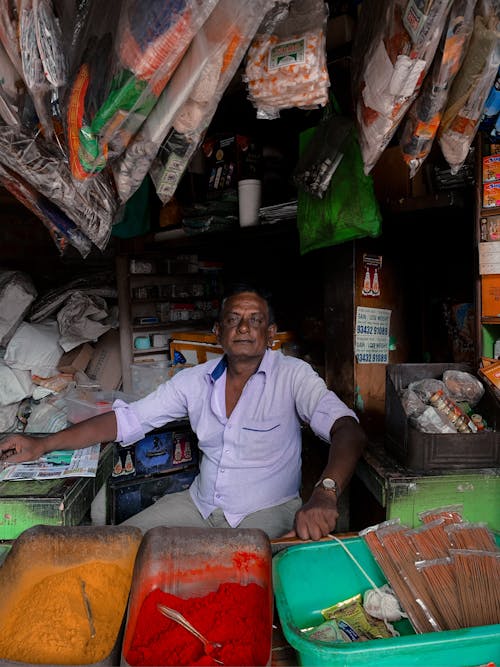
244	330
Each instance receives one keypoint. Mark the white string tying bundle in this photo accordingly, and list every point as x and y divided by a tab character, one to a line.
379	601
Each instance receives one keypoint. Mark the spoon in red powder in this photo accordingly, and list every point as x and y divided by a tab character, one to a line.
175	615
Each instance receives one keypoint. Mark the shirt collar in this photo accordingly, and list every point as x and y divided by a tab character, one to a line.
265	366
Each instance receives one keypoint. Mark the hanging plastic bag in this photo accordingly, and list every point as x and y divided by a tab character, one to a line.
424	116
144	49
322	156
392	54
349	209
470	89
286	68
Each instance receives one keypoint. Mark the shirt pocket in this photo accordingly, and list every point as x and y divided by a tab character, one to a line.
261	440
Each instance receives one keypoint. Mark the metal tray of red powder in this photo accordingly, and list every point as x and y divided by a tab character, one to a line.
219	579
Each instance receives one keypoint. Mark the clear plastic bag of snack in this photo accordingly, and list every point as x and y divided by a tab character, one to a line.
286	68
463	387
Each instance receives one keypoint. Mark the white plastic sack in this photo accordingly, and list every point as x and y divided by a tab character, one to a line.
15	385
17	293
35	348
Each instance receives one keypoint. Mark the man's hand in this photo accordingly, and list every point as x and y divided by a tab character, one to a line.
318	517
17	448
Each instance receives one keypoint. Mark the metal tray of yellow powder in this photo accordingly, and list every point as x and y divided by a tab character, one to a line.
44	609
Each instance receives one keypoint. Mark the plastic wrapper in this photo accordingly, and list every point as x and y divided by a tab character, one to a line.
62	230
426	387
286	68
391	57
94	205
490	119
432	421
11	92
463	386
323	154
17	293
228	31
470	89
143	52
424	116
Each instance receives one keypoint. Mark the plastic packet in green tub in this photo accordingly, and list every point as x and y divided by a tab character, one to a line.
64	595
311	577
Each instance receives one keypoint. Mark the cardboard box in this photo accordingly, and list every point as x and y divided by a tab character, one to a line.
128	497
76	359
491	194
105	367
490	295
171	448
491	168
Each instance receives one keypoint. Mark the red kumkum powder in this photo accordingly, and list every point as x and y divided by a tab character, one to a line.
235	616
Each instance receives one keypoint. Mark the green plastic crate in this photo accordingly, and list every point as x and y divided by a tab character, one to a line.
313	576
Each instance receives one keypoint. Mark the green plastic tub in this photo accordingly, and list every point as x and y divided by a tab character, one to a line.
313	576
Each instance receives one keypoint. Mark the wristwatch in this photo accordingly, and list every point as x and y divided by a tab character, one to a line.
328	484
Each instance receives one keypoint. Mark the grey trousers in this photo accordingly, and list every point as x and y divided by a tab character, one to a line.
178	509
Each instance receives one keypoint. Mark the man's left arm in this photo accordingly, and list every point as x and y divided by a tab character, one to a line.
318	516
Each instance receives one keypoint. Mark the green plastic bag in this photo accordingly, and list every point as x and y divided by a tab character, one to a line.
349	209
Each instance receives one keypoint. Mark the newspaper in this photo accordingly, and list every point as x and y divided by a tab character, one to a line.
55	465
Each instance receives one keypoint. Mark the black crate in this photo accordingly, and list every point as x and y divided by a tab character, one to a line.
171	448
128	497
437	451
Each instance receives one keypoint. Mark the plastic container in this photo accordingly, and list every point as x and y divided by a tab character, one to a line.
313	576
437	451
192	562
51	551
146	377
84	403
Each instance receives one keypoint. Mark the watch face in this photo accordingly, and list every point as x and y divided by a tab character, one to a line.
329	484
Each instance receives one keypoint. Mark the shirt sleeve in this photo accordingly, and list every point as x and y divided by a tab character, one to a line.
167	403
316	404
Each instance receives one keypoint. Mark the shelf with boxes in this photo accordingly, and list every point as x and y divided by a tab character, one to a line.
158	294
488	242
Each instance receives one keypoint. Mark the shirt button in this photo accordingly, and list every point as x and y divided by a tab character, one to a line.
226	451
222	470
229	425
217	495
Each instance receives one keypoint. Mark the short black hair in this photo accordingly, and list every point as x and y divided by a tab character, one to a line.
239	287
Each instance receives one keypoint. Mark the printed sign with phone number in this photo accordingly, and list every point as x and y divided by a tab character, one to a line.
372	335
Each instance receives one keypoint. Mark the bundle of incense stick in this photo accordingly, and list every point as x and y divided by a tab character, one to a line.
477	575
439	575
404	555
407	600
444	574
450	514
471	536
431	540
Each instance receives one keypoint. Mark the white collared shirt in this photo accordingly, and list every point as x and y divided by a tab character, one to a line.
251	459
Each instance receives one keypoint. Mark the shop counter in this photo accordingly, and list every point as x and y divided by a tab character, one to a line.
404	493
57	502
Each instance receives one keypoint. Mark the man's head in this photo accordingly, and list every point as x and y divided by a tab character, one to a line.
245	327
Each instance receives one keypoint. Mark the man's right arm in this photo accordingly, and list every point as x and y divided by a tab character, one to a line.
18	448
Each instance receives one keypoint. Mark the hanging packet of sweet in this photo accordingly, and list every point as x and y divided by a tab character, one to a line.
424	116
471	87
286	68
229	31
392	54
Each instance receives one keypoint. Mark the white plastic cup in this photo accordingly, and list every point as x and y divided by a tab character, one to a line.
249	196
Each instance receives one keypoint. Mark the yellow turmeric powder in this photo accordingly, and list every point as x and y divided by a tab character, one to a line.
48	624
